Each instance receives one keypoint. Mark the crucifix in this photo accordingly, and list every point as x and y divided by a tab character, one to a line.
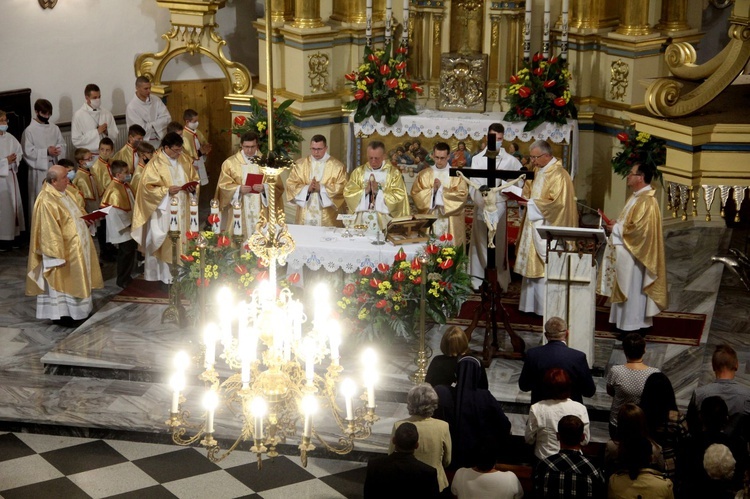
491	307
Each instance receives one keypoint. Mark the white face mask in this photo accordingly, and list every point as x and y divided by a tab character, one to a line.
193	125
3	128
89	164
95	103
71	175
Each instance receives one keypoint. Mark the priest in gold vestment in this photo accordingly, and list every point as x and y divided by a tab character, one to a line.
316	185
638	288
434	191
63	267
164	178
231	187
552	202
377	186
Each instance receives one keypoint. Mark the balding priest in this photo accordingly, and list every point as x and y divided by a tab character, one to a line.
147	111
316	186
63	267
377	186
166	177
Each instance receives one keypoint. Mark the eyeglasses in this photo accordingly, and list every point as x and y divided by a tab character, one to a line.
176	149
317	148
537	157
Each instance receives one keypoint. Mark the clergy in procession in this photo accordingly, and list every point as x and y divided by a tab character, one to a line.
120	197
638	288
91	122
551	202
435	191
166	177
316	185
478	247
148	112
145	153
42	145
63	267
129	152
377	186
233	186
195	144
12	221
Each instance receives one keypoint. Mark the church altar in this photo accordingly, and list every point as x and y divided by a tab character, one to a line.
325	248
437	125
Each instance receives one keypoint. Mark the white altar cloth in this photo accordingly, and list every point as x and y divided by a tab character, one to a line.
323	247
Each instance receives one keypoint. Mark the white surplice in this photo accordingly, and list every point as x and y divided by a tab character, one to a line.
35	142
119	222
437	206
152	115
12	221
84	128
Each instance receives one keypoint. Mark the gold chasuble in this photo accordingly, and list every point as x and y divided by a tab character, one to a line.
58	232
88	186
642	237
137	174
117	195
127	154
234	171
77	196
101	172
315	208
152	206
447	203
392	201
554	195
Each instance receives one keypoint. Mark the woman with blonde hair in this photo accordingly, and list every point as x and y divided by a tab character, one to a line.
442	368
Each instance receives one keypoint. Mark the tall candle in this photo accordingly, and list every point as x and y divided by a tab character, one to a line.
309	405
368	21
388	16
210	401
215	217
178	384
564	36
309	349
209	339
258	410
174	213
527	31
237	216
194	227
545	37
405	32
348	389
334	338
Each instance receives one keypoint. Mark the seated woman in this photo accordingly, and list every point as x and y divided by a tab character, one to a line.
473	413
541	427
442	368
460	157
484	481
631	428
434	435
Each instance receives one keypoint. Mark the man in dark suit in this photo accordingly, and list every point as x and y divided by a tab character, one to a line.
556	353
401	475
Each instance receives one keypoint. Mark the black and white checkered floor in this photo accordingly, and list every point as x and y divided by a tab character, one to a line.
46	466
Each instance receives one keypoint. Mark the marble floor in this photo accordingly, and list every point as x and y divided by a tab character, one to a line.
108	376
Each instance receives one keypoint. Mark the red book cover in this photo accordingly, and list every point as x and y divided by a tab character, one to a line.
253	179
189	185
607	221
97	214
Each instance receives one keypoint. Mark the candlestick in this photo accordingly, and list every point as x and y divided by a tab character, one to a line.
210	401
368	22
348	388
178	384
174	210
545	36
215	217
258	410
369	361
194	227
309	406
237	215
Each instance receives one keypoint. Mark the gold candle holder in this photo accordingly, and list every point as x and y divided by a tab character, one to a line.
174	312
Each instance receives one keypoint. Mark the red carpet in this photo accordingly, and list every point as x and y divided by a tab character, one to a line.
141	291
669	327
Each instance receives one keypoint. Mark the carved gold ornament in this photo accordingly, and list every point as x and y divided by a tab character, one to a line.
462	83
318	72
618	81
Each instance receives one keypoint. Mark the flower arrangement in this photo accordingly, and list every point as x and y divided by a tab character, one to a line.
381	87
286	138
540	92
226	265
383	302
639	147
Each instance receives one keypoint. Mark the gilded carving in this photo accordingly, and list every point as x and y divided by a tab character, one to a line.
463	79
618	81
318	72
709	191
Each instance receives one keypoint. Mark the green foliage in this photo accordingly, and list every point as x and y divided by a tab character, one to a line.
286	138
639	147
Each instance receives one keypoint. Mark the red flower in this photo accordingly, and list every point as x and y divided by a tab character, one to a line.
537	57
418	280
401	50
190	235
351	76
383	267
560	102
204	283
392	83
349	289
446	237
514	79
213	219
538	71
360	94
416	87
623	137
432	249
398	276
262	275
369	80
385	69
446	264
373	58
294	278
401	65
240	120
187	258
524	92
549	83
374	283
552	59
362	298
365	271
528	112
381	304
400	256
223	241
415	265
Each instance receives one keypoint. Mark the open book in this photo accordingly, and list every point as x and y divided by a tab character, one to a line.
514	193
410	229
97	214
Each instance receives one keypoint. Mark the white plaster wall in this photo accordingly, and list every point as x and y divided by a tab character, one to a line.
57	52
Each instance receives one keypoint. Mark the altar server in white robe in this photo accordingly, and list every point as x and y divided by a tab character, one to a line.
164	178
316	186
253	198
42	145
91	123
478	248
377	186
12	221
195	143
435	192
148	112
119	196
551	202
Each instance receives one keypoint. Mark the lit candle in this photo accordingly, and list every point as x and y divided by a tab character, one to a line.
564	35
545	36
334	338
348	388
209	340
405	33
237	214
178	384
369	361
368	25
258	409
194	227
215	218
210	401
308	347
527	31
225	302
322	306
388	16
174	213
297	313
309	406
181	361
